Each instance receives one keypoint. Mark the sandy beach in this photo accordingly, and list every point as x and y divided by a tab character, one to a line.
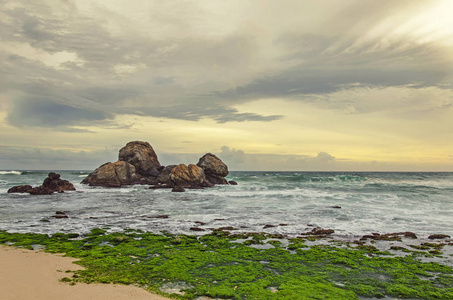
26	274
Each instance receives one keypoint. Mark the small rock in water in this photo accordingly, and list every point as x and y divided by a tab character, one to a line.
232	182
159	216
199	222
438	236
335	206
320	231
269	226
178	189
410	235
60	216
197	229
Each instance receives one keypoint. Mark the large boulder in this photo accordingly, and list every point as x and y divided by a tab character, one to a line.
55	183
214	169
190	176
112	175
142	156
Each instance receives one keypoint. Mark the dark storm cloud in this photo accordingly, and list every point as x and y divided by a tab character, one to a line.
308	81
42	113
193	112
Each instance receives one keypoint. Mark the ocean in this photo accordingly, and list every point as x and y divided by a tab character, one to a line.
289	203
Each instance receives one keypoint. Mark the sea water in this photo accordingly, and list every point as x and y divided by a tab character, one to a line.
287	203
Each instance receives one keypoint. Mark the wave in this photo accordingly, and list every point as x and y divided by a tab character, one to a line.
10	173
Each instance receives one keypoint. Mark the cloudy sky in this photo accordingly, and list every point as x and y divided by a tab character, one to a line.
342	85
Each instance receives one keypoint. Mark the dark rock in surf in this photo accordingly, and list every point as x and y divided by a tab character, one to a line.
60	215
20	189
269	226
55	183
215	170
40	190
438	236
410	235
197	229
320	231
232	182
178	189
142	156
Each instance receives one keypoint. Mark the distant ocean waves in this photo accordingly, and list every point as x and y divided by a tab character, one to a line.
350	203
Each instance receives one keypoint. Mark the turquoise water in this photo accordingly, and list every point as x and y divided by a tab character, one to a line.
350	203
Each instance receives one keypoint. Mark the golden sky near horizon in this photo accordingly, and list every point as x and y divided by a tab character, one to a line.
289	85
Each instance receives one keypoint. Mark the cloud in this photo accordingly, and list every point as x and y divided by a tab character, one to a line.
110	66
25	158
38	112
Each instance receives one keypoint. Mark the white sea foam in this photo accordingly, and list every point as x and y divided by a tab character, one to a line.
374	202
10	173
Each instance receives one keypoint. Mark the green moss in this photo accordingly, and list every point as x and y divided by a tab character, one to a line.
221	265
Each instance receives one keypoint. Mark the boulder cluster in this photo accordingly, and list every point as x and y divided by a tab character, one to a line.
53	183
138	164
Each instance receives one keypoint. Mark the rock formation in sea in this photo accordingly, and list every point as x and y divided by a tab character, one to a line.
138	164
53	183
214	169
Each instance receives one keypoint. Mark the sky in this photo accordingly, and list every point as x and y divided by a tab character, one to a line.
291	85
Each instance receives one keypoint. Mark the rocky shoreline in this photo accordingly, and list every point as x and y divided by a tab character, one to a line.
225	265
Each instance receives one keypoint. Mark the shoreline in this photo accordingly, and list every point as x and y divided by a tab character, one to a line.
30	274
251	266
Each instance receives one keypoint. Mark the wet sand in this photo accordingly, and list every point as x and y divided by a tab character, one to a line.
27	274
